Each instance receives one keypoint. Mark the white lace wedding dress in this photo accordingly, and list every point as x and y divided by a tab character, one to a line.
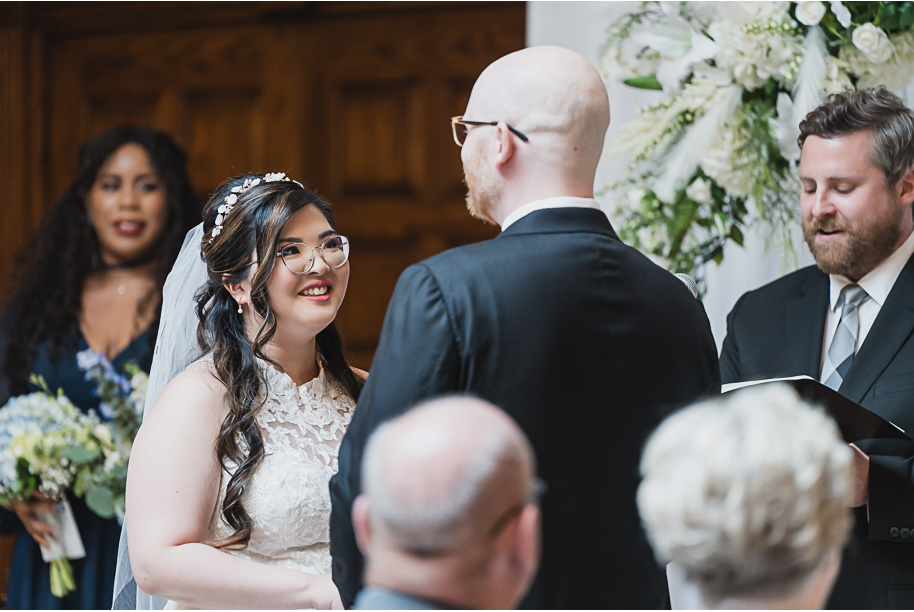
288	498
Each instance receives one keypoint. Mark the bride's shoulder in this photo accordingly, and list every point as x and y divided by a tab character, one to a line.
197	388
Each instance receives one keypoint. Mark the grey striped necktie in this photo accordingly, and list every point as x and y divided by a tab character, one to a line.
841	352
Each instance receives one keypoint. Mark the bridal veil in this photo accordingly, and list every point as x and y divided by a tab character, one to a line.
176	347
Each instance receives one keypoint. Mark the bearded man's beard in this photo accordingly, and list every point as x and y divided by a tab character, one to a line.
864	246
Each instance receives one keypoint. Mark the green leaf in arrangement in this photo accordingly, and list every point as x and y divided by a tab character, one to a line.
906	15
718	255
644	82
101	501
83	480
736	235
79	454
888	16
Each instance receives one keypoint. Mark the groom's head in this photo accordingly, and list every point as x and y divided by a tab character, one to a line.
533	128
448	511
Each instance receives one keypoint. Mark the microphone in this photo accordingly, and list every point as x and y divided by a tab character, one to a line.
689	282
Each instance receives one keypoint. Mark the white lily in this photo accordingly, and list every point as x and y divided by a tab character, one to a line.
680	46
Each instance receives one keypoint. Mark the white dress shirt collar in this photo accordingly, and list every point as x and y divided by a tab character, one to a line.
879	281
557	202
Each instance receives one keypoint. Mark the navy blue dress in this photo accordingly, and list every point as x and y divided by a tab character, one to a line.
29	584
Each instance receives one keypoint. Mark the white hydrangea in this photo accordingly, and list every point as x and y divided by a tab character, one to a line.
721	163
752	46
699	191
836	77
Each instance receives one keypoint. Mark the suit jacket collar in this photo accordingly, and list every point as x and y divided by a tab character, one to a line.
379	598
561	220
805	315
890	331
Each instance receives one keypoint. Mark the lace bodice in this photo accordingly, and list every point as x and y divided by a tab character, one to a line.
288	497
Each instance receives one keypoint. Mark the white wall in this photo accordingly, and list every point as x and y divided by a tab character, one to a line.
581	26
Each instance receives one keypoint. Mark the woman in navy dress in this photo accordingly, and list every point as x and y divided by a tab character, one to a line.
91	277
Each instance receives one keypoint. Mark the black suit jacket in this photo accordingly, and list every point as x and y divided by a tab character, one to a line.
586	344
778	330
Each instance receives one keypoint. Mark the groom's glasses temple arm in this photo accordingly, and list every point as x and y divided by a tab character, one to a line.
459	128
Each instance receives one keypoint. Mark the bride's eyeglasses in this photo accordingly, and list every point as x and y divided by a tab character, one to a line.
298	257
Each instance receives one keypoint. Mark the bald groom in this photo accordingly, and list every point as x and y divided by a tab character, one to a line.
578	337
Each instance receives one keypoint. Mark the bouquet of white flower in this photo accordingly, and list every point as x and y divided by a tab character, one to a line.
48	445
721	151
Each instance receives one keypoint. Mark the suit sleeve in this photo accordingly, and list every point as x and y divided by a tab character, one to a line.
417	358
729	355
891	498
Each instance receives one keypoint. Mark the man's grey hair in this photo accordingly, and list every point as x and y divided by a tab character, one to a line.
749	493
876	110
440	512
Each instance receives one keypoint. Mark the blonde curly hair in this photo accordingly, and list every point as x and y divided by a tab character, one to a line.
749	493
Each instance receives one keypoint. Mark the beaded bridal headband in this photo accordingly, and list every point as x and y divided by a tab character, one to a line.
230	199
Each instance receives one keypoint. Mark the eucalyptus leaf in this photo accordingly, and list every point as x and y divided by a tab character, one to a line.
101	501
79	454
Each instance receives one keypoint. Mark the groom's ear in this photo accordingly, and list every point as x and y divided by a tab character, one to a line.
361	523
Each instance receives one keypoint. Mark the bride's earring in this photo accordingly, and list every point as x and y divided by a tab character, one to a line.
240	309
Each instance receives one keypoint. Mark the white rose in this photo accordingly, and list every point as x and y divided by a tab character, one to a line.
699	191
873	43
810	13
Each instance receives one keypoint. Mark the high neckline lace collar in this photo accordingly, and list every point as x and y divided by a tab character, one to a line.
281	383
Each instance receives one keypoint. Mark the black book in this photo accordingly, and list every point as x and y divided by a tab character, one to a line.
854	421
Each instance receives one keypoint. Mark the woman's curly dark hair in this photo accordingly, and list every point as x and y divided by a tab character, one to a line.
54	264
253	225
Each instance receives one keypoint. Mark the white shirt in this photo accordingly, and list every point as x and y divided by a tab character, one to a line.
877	284
557	202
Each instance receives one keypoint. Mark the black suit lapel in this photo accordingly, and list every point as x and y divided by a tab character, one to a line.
890	331
805	315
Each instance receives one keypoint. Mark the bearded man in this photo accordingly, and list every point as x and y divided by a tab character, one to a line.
848	320
580	338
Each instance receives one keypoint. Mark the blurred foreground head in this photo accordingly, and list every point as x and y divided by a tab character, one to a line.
749	495
448	512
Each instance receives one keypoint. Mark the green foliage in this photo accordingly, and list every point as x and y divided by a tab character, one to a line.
81	454
101	501
644	82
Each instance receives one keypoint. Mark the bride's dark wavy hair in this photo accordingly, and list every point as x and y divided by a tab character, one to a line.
253	225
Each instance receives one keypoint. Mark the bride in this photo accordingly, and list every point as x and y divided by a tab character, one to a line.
227	497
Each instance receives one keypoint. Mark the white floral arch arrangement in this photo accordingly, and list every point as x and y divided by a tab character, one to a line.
720	153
